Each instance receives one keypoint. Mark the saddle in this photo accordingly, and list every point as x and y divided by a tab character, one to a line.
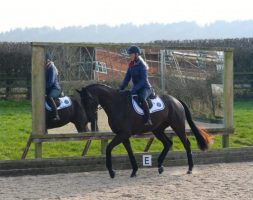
155	104
149	99
61	102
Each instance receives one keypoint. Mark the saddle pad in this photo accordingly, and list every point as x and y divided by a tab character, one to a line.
64	103
158	105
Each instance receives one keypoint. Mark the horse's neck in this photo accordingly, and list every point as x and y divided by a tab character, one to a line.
106	99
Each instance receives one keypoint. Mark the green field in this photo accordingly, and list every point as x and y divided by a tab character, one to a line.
15	128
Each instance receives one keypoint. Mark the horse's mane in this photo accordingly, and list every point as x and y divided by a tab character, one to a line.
99	84
107	87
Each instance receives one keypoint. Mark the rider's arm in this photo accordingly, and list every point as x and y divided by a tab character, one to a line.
126	80
50	77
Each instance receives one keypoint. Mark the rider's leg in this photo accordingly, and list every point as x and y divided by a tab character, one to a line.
54	93
144	94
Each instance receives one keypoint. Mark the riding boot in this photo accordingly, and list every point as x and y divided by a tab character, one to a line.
52	104
145	108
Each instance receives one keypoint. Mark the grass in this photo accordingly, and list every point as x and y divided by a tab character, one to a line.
243	119
15	128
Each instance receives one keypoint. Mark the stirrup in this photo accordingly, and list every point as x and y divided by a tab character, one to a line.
56	118
148	123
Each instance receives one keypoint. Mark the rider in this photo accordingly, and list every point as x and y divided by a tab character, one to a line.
137	71
53	89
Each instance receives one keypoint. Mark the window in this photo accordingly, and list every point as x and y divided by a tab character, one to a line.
101	67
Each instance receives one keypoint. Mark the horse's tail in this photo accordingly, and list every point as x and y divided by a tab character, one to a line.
202	136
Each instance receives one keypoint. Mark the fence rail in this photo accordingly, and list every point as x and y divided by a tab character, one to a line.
15	87
105	136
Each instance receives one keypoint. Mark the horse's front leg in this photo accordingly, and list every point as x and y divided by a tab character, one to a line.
128	147
115	141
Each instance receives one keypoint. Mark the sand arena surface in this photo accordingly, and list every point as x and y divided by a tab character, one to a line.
70	128
208	182
216	181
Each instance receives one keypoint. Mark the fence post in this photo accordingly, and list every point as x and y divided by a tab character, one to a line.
228	95
104	144
162	66
28	86
8	89
38	96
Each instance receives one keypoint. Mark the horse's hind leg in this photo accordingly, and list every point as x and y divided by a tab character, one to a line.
160	135
80	127
180	131
128	147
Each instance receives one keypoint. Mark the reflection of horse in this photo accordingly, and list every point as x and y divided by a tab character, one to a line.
74	113
124	122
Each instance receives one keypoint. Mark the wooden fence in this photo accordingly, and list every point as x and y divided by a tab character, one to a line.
243	86
15	87
104	137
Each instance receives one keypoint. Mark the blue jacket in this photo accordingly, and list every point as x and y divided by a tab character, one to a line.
139	76
52	81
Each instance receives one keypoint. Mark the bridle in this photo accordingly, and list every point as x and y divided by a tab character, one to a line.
99	107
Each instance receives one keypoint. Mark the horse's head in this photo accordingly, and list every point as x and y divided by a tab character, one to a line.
89	102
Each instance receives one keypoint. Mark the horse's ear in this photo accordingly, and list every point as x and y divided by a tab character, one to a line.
78	91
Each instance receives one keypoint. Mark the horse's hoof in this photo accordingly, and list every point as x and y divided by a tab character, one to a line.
112	174
189	172
133	174
160	170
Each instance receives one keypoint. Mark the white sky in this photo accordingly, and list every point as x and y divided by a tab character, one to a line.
62	13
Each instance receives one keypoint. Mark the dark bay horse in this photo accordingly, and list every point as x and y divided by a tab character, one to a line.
124	122
75	114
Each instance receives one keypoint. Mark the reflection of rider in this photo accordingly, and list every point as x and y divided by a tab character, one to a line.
53	89
137	71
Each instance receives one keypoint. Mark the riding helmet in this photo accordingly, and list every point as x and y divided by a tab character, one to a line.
48	56
133	49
